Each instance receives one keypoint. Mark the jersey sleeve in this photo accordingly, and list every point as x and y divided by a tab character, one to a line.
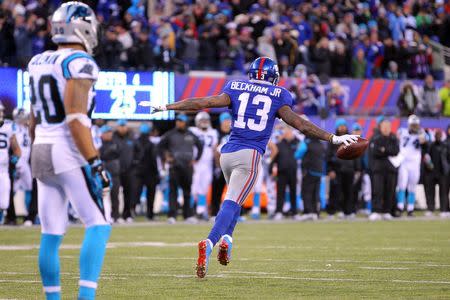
79	65
287	99
227	90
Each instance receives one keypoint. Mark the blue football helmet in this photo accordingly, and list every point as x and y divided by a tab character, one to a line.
265	69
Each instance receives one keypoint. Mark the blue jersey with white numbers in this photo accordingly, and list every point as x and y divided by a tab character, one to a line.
254	107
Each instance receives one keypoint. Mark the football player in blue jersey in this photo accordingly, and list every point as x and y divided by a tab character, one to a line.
254	104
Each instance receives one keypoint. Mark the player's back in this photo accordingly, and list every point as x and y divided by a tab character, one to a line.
409	145
23	139
254	108
209	138
6	131
49	73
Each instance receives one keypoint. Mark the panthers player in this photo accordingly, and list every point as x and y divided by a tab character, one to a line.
203	169
64	159
255	104
23	179
8	142
411	141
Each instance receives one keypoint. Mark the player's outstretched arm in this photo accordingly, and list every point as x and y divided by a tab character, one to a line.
75	105
195	104
310	129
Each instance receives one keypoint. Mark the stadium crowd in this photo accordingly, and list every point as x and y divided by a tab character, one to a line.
390	39
302	177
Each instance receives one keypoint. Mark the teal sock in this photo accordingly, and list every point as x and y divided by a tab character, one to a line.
49	265
401	199
411	201
91	259
27	199
257	200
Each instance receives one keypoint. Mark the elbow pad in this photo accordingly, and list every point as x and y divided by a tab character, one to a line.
82	118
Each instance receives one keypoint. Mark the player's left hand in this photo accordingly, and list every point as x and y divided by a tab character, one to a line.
345	139
14	159
153	108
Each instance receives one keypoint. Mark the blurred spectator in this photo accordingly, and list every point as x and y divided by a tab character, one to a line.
429	102
436	172
359	64
286	165
384	179
110	52
420	62
341	174
444	94
141	53
147	168
234	60
437	56
339	61
312	153
265	46
190	49
407	100
124	139
392	71
110	155
322	58
335	98
390	54
374	56
7	45
23	35
309	96
125	39
177	148
403	59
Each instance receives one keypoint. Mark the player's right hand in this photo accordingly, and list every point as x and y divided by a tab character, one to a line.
345	139
153	108
100	178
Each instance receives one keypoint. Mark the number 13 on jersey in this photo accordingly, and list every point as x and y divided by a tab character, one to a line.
261	112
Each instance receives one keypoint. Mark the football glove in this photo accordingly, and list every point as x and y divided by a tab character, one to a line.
345	139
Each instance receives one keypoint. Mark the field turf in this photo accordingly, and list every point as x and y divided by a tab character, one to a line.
334	260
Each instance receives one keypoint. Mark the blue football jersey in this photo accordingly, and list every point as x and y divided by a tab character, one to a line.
254	107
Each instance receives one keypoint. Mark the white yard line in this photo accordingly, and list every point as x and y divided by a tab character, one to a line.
258	275
317	270
384	268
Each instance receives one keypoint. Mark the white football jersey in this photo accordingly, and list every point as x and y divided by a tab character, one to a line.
6	132
210	138
49	73
24	141
409	145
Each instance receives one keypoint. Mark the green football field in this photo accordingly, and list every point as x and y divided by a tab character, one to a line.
385	260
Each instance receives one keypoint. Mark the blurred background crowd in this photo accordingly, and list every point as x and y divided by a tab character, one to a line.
337	38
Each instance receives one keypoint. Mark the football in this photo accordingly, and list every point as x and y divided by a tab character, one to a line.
352	151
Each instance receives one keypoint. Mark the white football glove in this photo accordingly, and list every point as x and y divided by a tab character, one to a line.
153	108
346	139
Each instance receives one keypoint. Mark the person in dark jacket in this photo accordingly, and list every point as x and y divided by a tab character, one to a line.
110	154
407	100
312	153
140	55
384	174
177	148
147	167
341	174
123	138
287	171
436	171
